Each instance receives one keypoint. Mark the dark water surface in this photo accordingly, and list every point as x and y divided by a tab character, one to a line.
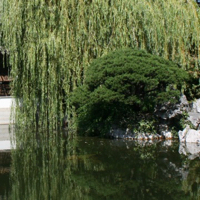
94	168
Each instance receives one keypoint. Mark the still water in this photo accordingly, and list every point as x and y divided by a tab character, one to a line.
94	168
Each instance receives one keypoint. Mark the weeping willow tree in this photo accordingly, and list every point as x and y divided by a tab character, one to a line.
51	43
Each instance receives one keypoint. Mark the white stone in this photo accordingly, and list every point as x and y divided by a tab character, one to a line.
194	118
140	136
192	136
182	134
183	100
198	105
167	134
192	148
150	137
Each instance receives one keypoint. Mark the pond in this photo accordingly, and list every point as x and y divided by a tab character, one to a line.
95	168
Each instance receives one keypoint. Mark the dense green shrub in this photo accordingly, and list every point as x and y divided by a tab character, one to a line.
192	91
123	85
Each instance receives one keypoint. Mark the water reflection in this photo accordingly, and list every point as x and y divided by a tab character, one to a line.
93	168
5	160
191	150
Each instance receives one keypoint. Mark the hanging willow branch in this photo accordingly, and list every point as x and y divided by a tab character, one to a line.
51	43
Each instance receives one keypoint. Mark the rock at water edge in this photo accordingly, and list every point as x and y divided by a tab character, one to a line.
192	136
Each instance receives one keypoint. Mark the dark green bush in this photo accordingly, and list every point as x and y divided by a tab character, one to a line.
123	85
192	91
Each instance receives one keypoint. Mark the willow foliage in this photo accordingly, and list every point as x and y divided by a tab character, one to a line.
51	43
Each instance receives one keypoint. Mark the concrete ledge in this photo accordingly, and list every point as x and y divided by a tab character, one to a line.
5	109
7	102
4	132
5	116
6	137
5	145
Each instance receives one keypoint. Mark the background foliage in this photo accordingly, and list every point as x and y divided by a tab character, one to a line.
52	42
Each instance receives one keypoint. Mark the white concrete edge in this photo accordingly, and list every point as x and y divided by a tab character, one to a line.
7	102
6	145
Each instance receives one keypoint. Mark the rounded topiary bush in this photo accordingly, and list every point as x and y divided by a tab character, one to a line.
123	85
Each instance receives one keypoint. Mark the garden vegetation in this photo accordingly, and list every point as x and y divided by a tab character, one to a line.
51	43
124	86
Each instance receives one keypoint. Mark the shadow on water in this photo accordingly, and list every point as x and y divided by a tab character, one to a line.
73	168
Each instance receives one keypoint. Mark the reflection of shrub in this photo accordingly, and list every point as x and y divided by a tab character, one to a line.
122	85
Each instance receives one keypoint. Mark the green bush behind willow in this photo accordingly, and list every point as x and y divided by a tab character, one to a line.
51	43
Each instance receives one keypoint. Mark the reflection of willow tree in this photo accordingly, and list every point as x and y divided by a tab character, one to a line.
5	159
51	43
73	169
43	172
